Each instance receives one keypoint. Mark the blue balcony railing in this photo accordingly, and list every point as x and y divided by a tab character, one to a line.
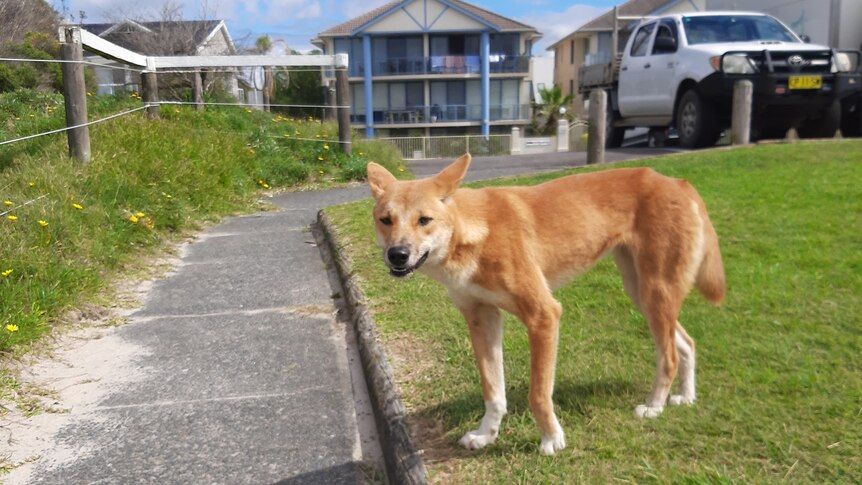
444	114
406	66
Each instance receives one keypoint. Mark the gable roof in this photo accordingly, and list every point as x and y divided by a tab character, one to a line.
501	23
148	37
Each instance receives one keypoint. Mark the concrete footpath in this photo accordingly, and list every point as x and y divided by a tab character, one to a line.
243	371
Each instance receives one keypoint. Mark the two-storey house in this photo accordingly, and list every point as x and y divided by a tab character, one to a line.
439	66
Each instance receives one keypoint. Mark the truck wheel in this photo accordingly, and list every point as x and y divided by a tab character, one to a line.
825	126
613	134
695	122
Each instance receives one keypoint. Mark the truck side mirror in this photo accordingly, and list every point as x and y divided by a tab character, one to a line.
664	45
805	38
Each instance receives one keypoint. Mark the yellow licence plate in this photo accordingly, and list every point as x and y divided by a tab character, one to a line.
805	82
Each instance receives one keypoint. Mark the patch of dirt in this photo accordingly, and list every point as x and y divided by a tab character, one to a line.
62	376
414	365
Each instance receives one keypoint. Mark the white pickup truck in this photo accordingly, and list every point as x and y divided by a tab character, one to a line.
679	71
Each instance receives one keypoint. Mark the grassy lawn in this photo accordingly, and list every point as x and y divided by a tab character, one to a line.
779	364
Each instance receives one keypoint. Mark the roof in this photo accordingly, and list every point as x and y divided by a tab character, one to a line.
157	38
631	8
349	27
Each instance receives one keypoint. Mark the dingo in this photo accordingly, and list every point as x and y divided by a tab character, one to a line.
508	247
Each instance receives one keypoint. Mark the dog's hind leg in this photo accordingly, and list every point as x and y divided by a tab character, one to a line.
661	303
486	335
685	349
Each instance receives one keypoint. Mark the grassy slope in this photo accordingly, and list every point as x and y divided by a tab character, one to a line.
779	374
182	170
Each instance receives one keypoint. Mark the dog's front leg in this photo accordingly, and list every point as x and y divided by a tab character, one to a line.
543	322
486	335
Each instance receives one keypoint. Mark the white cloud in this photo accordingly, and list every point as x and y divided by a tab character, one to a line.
556	25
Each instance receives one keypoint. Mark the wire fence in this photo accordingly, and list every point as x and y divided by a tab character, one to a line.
420	147
228	88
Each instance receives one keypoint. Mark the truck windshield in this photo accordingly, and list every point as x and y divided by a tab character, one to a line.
734	28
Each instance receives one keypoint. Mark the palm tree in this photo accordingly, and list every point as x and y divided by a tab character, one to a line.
552	106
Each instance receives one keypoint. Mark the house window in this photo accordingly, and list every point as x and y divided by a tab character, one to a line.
571	52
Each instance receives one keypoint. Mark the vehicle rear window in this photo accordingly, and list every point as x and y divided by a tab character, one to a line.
734	28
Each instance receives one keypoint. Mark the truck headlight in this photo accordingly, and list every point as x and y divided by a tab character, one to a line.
734	64
841	62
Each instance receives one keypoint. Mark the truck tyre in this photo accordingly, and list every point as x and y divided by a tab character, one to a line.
695	122
613	134
825	126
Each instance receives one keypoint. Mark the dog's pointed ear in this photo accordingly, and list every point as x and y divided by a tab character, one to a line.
379	179
450	178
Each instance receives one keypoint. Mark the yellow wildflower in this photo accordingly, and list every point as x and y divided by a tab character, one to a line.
77	206
326	147
7	202
297	132
287	135
320	172
31	184
140	214
400	169
12	218
320	158
133	219
12	328
7	272
360	154
266	186
317	135
43	223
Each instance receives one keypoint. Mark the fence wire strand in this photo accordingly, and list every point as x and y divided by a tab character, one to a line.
61	61
67	128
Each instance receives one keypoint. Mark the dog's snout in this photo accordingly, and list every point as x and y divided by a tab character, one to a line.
398	255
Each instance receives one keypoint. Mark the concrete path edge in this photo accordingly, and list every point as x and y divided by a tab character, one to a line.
403	462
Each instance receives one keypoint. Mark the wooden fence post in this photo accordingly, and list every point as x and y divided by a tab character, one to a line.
151	90
330	102
342	99
268	88
740	132
75	93
198	90
596	139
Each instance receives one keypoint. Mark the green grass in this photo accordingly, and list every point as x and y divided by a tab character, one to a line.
179	172
779	365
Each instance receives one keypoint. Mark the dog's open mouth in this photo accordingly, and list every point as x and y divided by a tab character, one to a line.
402	272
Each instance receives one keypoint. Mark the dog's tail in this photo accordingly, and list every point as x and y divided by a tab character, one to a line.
710	275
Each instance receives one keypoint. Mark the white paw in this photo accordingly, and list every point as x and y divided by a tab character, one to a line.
679	399
644	411
552	443
473	440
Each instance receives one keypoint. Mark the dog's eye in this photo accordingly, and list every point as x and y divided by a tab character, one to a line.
424	221
386	221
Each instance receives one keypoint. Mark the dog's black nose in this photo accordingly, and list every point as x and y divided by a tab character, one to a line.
398	255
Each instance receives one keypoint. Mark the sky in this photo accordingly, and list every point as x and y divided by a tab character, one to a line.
298	21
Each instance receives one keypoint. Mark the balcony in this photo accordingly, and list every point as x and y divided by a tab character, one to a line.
450	113
409	66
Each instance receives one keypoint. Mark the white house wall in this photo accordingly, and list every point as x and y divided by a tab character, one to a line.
850	36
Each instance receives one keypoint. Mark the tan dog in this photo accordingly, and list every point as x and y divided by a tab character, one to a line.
508	247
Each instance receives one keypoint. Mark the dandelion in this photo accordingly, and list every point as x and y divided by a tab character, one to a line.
287	135
31	184
360	154
7	202
140	214
77	206
400	169
133	219
320	172
317	135
7	272
266	186
167	196
320	158
297	132
326	147
43	223
11	328
89	93
12	218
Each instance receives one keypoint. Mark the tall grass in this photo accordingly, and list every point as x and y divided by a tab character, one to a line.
69	226
779	363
